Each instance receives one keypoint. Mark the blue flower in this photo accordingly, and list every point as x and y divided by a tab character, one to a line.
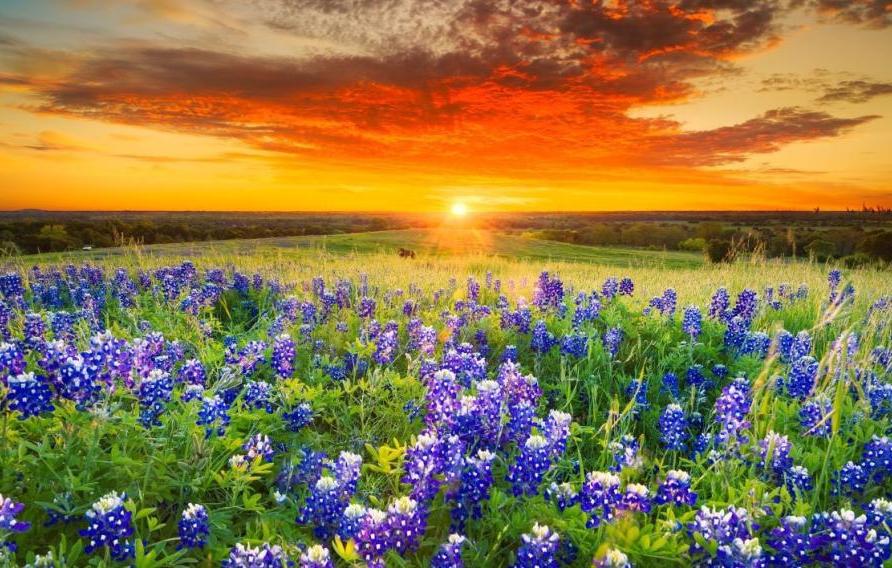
154	393
611	340
692	322
676	489
532	463
473	488
193	527
406	523
316	556
109	526
258	394
538	548
801	379
29	395
283	356
673	427
214	414
263	556
449	553
9	510
298	417
600	496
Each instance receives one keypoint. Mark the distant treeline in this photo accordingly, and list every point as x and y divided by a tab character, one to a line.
858	237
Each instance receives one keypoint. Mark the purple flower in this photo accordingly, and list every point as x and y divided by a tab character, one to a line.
316	556
731	410
676	489
673	427
263	556
283	356
109	526
29	395
538	548
9	510
801	379
373	538
193	527
406	523
214	415
449	553
473	488
258	394
549	292
814	417
774	454
600	496
612	338
692	322
564	495
532	463
154	393
298	417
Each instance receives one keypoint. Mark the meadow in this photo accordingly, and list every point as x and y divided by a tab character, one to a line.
495	401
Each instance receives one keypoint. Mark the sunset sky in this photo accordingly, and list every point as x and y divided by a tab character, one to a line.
415	105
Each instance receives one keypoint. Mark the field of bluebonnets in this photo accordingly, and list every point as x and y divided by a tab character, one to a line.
323	410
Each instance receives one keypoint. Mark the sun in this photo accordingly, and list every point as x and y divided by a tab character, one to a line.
459	209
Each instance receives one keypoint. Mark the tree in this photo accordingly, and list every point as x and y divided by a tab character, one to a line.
718	250
879	246
54	237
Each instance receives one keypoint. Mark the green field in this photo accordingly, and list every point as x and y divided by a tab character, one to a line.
425	242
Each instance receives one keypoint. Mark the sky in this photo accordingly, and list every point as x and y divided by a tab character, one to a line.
417	105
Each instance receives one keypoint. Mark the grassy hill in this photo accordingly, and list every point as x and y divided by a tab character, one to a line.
425	242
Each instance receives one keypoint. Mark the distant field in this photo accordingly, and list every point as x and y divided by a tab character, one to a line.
433	242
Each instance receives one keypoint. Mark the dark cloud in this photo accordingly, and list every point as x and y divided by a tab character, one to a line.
870	13
500	80
855	91
763	134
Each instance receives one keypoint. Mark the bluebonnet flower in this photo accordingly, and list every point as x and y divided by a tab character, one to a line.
612	339
692	322
532	463
879	513
542	340
638	391
877	458
676	489
465	363
366	308
406	523
109	526
801	379
214	415
316	556
324	506
801	345
298	417
259	446
847	540
250	357
549	292
448	555
426	460
851	479
636	498
599	497
473	489
736	333
373	538
834	278
673	427
510	353
626	287
556	430
610	288
564	495
814	417
670	385
612	558
774	454
283	356
263	556
386	346
798	478
154	394
730	530
29	395
756	343
351	520
791	543
258	394
625	453
192	373
9	510
538	548
718	306
575	345
12	360
746	305
441	398
731	410
193	527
